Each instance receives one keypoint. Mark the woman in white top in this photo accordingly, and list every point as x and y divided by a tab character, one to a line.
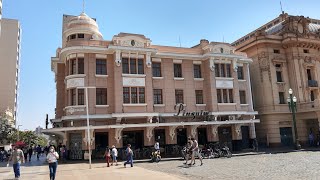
114	153
52	159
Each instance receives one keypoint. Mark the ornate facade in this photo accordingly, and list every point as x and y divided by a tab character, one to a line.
139	93
285	53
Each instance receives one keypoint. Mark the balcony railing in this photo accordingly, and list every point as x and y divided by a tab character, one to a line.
312	83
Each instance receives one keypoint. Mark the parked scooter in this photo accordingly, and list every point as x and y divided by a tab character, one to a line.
155	156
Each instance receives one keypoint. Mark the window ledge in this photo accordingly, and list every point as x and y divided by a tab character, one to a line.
178	79
75	76
281	82
242	80
225	78
74	107
133	75
201	105
102	106
159	105
244	104
102	75
227	103
157	77
198	79
133	105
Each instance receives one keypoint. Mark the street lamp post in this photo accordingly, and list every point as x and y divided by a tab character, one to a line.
18	133
88	122
292	102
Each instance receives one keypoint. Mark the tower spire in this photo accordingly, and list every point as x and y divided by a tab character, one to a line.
83	5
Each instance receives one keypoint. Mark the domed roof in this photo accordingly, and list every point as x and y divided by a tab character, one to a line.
83	18
83	24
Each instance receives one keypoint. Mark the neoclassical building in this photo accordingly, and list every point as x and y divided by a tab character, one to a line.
285	53
139	93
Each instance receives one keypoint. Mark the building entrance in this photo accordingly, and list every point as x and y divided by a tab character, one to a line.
286	136
101	143
135	138
182	136
202	136
225	136
160	136
245	137
75	146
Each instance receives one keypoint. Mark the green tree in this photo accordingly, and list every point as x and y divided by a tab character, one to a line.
6	132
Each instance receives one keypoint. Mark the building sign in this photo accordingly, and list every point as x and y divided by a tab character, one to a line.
75	82
224	83
128	81
182	112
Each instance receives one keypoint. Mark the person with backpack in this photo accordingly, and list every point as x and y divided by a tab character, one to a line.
129	153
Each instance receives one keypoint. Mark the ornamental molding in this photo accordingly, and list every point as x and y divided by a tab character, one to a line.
297	25
281	86
238	129
172	132
85	139
118	134
150	132
194	130
264	65
214	130
118	58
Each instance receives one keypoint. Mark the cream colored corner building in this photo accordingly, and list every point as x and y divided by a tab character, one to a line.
137	89
285	53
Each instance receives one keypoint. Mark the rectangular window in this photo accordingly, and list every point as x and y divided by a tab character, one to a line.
156	69
81	36
134	95
281	98
228	70
243	99
80	96
101	96
141	95
240	72
101	66
125	66
140	66
80	66
276	51
126	95
309	74
199	97
73	97
225	96
279	76
133	66
177	70
157	96
306	51
312	96
73	63
197	71
219	97
230	96
73	36
222	69
179	96
217	69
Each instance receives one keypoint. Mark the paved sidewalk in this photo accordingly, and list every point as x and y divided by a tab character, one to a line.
82	171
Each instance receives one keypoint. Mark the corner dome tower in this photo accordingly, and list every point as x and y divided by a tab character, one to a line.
82	24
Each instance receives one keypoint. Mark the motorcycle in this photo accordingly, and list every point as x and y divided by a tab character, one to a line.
155	156
226	151
207	153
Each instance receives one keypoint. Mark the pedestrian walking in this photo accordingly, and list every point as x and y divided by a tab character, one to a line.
157	147
25	153
311	138
52	159
107	155
129	153
114	153
17	158
30	151
195	152
38	151
188	151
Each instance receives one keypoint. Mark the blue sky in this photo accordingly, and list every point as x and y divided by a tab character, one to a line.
161	21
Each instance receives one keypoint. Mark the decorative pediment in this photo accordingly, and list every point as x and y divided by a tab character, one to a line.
308	61
221	48
131	40
278	60
297	25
